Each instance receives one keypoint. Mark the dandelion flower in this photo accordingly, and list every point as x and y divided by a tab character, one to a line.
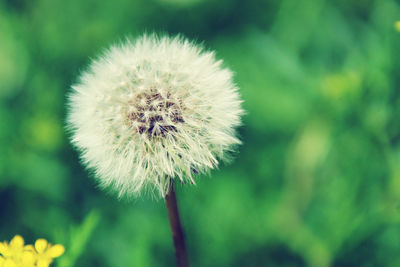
151	110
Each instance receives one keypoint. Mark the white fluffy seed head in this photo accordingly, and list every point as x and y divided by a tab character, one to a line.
151	110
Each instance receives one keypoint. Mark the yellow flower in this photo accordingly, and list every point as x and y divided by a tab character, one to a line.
47	252
14	249
397	25
16	254
9	263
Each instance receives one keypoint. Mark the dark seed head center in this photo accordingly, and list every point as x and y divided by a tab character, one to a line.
155	115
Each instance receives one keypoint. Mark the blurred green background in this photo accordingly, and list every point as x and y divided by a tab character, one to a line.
315	183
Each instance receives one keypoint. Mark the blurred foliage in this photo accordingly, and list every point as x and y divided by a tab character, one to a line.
316	182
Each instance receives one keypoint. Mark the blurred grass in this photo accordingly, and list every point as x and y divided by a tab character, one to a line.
316	183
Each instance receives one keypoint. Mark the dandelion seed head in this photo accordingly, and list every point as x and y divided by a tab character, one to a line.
151	110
